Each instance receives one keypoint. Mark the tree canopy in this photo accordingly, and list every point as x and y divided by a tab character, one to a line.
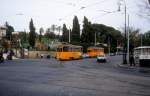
65	34
40	36
104	35
75	34
146	39
49	34
9	31
87	36
32	34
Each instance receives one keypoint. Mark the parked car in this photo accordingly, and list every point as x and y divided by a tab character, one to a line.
101	58
112	54
85	55
119	53
1	57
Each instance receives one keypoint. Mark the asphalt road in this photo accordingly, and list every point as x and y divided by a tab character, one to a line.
86	77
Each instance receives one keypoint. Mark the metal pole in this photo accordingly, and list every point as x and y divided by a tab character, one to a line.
128	39
69	35
117	46
141	40
125	47
95	38
109	44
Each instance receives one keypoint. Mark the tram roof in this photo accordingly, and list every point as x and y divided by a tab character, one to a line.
142	47
69	45
95	47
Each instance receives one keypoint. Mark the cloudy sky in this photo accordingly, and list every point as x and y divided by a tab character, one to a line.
47	12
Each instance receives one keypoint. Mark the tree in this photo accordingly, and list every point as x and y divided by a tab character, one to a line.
87	36
40	36
106	34
65	34
23	38
75	34
53	28
146	39
9	31
32	34
49	34
134	38
59	29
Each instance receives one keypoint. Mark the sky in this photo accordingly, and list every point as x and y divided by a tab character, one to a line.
44	13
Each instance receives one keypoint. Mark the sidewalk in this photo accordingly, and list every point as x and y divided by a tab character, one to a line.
5	56
127	66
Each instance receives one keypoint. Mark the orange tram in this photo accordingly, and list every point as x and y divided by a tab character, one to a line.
95	51
68	52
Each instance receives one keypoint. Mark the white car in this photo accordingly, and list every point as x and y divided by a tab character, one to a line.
101	58
85	55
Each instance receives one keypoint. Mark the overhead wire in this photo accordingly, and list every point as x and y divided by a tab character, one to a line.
82	8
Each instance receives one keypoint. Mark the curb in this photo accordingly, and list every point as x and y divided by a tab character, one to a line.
131	67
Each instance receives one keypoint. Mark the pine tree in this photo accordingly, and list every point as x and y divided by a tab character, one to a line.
75	34
65	35
32	34
87	36
40	36
9	31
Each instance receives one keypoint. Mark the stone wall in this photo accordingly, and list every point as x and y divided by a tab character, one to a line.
37	54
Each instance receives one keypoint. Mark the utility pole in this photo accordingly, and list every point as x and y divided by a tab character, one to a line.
117	47
141	40
109	44
69	34
95	39
125	41
128	51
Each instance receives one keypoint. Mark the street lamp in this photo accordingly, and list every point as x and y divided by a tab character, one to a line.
95	39
69	35
125	29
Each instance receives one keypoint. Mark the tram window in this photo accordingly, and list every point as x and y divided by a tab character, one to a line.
65	49
77	49
59	49
138	52
144	52
148	52
74	49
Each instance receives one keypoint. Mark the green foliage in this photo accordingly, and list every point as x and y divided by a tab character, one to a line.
75	34
108	35
49	34
104	34
87	36
134	38
65	34
146	39
40	36
32	34
53	28
9	31
24	38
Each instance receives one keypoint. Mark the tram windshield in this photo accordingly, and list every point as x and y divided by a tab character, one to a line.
142	51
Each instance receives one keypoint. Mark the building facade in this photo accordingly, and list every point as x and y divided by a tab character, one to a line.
2	32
